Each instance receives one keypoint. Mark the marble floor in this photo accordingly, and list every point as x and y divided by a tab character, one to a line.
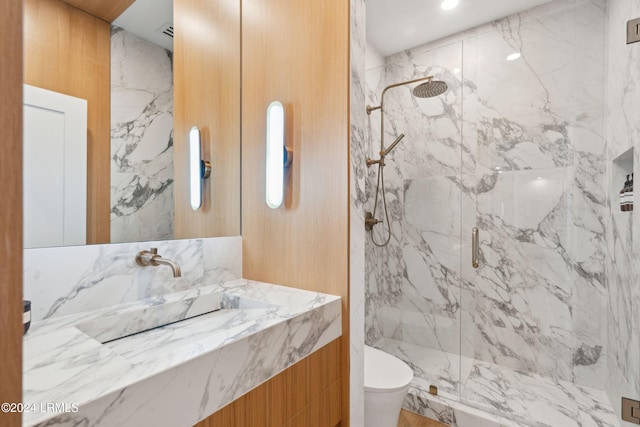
523	398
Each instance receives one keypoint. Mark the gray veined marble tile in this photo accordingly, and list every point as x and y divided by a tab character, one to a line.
141	139
623	229
106	275
179	372
517	149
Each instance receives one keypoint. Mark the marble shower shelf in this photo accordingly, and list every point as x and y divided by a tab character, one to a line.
621	166
172	360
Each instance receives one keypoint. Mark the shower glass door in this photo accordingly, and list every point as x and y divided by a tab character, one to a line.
533	184
414	282
516	148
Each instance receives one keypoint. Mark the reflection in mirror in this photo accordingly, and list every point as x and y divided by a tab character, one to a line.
127	82
141	126
55	169
125	73
199	169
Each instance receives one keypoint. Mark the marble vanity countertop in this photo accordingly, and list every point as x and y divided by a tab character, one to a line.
98	369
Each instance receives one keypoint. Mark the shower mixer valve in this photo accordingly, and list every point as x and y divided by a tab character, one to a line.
370	221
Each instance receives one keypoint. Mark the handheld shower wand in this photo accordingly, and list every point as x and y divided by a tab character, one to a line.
393	145
384	153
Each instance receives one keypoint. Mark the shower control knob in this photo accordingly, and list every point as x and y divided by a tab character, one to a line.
370	221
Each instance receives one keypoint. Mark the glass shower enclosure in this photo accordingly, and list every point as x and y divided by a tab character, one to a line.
516	148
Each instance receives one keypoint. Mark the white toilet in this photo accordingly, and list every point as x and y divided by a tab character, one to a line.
386	383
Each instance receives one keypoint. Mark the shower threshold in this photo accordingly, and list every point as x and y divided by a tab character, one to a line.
490	395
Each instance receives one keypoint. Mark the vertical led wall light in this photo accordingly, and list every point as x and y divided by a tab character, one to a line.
198	169
279	156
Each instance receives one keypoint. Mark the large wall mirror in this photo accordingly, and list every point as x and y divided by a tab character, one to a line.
144	88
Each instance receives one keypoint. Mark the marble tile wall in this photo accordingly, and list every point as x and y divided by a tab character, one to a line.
141	139
68	280
356	220
623	238
516	148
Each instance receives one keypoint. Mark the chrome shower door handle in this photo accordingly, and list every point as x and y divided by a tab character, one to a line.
475	248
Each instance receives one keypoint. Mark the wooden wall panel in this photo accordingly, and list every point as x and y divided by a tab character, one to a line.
287	400
207	95
11	208
68	51
298	53
107	10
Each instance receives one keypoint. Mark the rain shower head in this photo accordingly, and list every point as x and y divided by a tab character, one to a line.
430	89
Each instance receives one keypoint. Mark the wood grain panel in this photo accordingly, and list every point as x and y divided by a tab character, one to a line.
297	53
251	410
11	207
410	419
224	417
288	393
207	95
324	368
301	419
107	10
325	410
284	400
68	51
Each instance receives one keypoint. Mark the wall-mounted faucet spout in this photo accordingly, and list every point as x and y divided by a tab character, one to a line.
151	258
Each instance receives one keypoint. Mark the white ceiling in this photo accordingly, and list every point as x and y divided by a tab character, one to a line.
144	17
392	25
396	25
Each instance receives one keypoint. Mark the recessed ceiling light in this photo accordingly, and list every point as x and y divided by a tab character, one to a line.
456	70
449	4
513	56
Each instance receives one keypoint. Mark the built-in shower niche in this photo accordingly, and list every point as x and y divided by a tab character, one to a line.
620	168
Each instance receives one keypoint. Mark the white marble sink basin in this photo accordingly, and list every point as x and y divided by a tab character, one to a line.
173	360
136	318
139	319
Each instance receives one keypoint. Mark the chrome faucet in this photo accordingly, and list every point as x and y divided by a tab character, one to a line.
151	258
